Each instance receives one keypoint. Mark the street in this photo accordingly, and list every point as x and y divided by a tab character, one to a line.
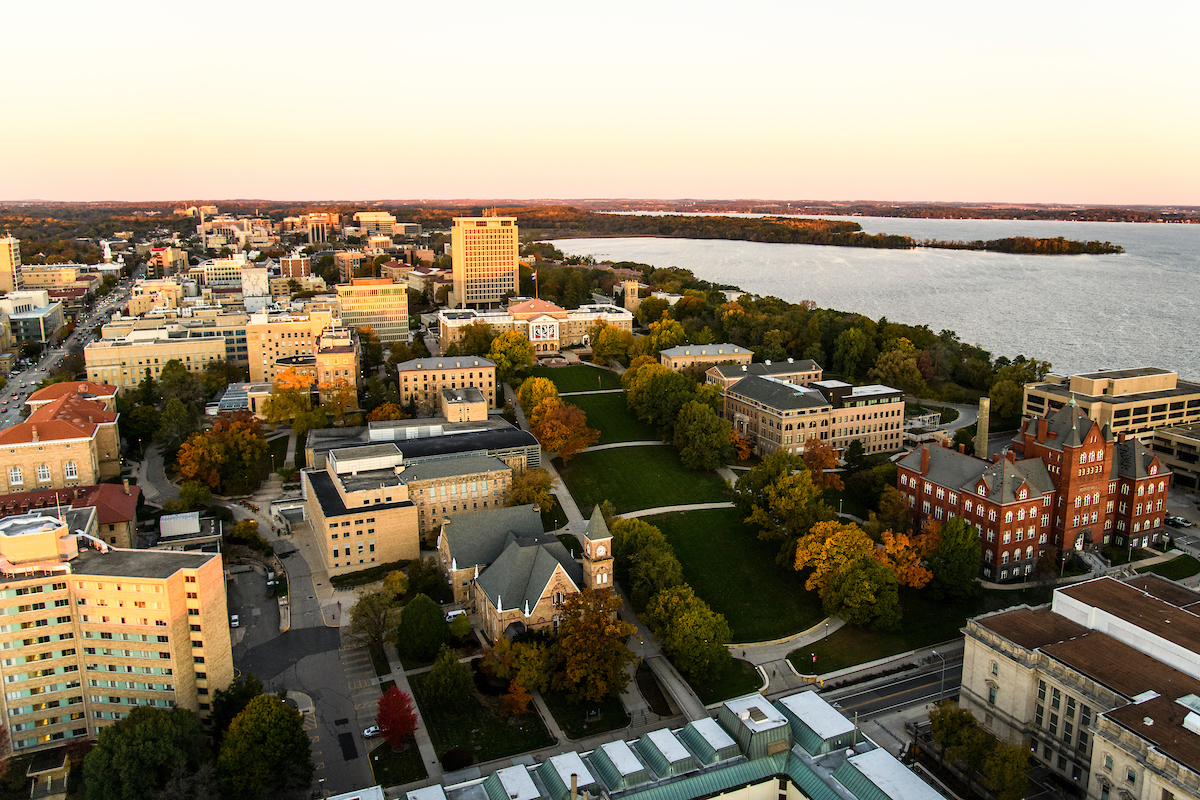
927	685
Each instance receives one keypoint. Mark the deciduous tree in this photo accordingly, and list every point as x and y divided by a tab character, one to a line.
864	592
1004	771
423	628
229	702
516	700
702	437
266	751
135	757
535	485
829	548
821	459
175	381
532	392
372	618
176	424
564	430
906	555
955	563
448	684
387	411
512	353
396	717
590	646
477	339
693	635
338	398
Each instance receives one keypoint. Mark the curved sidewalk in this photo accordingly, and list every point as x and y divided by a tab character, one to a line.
653	512
614	445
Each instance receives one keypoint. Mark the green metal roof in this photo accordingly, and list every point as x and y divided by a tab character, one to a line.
709	741
661	762
713	782
617	765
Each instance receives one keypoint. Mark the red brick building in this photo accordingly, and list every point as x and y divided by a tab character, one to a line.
1065	483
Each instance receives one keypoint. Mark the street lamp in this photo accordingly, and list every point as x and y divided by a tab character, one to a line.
942	690
826	629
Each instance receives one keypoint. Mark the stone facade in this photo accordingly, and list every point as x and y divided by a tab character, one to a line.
422	379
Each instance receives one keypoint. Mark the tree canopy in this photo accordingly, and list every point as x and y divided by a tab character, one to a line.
423	628
590	646
137	756
265	751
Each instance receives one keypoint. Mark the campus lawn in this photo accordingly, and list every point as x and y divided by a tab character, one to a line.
577	378
573	717
278	448
1176	569
926	622
739	678
392	769
634	478
735	572
609	414
483	729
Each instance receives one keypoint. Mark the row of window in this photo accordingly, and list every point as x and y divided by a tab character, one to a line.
16	476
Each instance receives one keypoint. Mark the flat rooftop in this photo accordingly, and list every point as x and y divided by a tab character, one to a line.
156	564
1032	628
1135	606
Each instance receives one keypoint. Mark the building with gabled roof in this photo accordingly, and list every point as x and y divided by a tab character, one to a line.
802	372
502	565
685	355
69	441
103	393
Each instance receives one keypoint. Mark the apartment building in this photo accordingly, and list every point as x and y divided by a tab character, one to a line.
165	262
347	262
296	265
1135	402
115	629
804	372
774	414
274	336
685	355
125	362
10	264
1102	686
423	379
548	327
484	252
191	322
375	303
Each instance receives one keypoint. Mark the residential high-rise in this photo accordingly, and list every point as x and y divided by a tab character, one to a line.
93	632
10	264
484	252
376	303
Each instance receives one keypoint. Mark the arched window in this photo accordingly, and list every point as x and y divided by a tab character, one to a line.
43	473
1083	458
1008	516
14	476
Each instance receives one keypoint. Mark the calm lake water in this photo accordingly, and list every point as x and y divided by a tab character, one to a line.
1081	313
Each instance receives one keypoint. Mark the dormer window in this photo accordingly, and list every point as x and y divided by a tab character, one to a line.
982	490
1023	494
1153	470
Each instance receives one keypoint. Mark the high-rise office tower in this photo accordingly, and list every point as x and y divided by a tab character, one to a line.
485	253
10	264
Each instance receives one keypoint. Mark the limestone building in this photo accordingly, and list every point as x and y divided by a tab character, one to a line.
115	629
71	441
375	222
273	337
146	295
804	372
776	414
1102	686
125	362
548	327
484	252
685	355
1134	402
1178	448
423	379
376	303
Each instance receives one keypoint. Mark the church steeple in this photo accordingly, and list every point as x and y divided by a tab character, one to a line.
597	553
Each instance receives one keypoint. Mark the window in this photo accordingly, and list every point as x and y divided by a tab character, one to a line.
1130	775
43	473
992	696
72	471
14	476
1108	762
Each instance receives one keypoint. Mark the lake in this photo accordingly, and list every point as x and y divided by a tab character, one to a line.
1081	313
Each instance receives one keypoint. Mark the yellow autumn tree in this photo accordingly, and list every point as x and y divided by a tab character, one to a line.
830	548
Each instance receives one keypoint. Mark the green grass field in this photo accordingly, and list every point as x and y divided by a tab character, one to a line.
392	769
635	478
579	719
609	414
735	572
740	678
1176	569
926	622
577	378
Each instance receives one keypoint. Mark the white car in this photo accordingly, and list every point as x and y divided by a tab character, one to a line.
233	620
371	732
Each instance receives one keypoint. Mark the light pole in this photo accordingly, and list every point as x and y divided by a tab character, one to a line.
826	629
942	690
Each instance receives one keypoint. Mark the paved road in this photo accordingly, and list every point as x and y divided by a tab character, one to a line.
925	686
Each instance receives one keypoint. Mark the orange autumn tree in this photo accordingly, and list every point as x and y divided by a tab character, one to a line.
563	429
741	446
905	555
822	460
387	411
228	457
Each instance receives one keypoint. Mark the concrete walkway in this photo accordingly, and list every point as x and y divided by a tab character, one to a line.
651	512
421	735
615	445
770	658
591	391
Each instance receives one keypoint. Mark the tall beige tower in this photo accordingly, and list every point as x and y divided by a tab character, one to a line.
484	252
10	264
981	431
632	299
597	553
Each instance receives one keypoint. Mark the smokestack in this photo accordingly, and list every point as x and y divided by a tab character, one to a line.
981	429
126	483
924	459
574	786
962	448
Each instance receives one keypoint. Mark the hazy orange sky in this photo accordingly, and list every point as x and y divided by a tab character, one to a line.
1020	102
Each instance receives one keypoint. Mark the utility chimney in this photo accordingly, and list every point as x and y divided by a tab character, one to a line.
996	458
574	786
981	427
1121	437
1011	456
1043	425
924	459
126	483
35	433
962	448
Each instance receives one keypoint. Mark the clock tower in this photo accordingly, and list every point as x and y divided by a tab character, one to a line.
597	553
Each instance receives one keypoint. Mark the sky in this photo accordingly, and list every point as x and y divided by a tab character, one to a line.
919	101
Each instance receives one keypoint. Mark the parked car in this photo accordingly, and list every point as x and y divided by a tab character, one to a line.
234	621
371	732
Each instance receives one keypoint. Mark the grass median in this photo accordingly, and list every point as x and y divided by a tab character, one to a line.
609	414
